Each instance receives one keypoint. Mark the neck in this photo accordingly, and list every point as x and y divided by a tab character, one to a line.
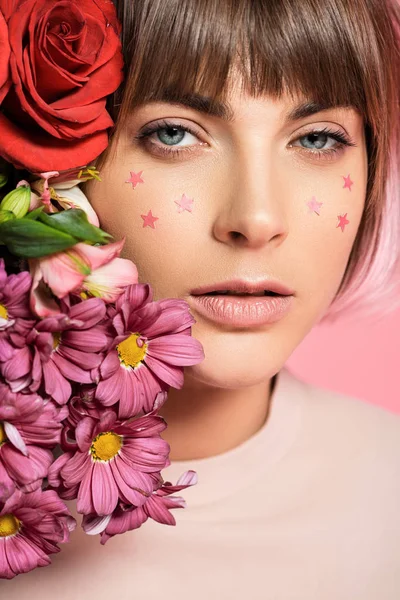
204	421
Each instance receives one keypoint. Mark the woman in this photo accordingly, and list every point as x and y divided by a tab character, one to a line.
256	153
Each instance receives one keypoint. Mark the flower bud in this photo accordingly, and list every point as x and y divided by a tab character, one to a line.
6	215
3	179
17	201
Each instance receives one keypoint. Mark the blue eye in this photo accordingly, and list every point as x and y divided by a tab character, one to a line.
316	141
323	142
170	135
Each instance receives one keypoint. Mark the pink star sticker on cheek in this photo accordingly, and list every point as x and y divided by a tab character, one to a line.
314	206
149	220
184	203
347	182
342	222
135	178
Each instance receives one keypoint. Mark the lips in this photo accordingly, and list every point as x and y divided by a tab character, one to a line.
234	293
245	287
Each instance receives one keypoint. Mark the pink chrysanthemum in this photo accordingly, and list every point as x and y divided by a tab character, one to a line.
151	345
115	461
31	527
59	349
29	428
14	302
157	507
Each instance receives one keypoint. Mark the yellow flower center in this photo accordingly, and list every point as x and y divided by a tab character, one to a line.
3	312
3	437
130	352
9	525
106	445
56	339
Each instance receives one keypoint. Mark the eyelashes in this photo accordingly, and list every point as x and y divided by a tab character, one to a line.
172	151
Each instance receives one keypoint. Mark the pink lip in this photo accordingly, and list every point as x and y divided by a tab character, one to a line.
245	286
242	311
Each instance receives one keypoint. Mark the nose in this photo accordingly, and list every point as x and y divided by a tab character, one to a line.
250	207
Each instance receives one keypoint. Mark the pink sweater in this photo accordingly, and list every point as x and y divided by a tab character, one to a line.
306	509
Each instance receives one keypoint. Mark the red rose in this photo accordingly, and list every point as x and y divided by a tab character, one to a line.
65	60
4	58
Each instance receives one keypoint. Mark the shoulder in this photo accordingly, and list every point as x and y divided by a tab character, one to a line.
354	416
354	431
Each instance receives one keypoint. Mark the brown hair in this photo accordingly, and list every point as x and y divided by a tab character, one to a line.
333	52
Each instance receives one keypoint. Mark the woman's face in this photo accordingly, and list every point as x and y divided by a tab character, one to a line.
263	195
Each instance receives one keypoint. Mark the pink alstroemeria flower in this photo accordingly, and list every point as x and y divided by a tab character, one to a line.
115	461
14	302
60	193
157	507
152	344
32	525
95	270
29	428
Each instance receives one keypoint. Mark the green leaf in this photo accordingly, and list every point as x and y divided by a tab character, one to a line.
34	213
30	239
75	222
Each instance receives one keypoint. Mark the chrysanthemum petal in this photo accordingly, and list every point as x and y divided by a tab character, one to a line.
156	509
174	317
86	360
110	365
22	556
70	371
75	469
108	391
93	340
84	504
26	469
133	478
104	489
94	524
14	437
84	433
18	365
7	485
131	394
122	521
129	495
170	374
55	384
151	386
177	349
146	454
90	311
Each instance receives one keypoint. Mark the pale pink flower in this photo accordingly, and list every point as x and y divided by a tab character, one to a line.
115	461
95	270
127	517
31	527
151	345
61	196
29	428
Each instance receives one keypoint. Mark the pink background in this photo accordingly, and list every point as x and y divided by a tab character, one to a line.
360	358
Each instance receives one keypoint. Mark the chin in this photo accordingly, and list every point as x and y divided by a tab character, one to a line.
236	359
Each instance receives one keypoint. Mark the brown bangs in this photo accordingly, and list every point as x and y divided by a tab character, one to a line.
324	50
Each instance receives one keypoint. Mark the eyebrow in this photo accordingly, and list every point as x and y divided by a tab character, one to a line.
223	110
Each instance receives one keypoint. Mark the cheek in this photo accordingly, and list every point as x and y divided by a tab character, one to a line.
325	227
160	219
